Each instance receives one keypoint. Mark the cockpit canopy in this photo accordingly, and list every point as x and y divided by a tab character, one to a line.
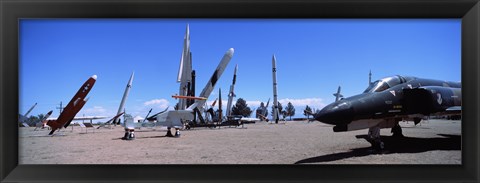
386	83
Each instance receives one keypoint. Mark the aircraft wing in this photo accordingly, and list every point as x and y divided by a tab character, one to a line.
83	117
115	117
455	108
249	119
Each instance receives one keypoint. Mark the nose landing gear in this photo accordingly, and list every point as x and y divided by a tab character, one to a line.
374	138
129	134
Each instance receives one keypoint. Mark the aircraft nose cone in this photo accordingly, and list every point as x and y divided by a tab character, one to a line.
336	113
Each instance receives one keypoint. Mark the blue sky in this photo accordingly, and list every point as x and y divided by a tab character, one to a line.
314	57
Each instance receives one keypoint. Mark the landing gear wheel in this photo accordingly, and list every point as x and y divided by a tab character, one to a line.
416	120
381	146
169	132
177	132
374	138
397	131
129	135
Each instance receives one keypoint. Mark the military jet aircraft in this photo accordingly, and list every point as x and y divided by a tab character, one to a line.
389	100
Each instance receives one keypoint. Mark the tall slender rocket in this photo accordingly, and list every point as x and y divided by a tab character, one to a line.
220	111
231	94
185	70
275	111
124	98
30	110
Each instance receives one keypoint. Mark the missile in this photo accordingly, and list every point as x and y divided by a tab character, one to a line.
231	94
71	110
185	70
48	114
43	122
124	98
265	112
188	97
275	101
30	110
220	112
214	102
207	90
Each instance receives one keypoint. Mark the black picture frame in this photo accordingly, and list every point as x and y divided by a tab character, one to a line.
12	11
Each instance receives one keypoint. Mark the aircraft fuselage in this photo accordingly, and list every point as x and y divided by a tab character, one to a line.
390	100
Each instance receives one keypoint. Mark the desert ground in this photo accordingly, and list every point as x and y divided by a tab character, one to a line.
291	142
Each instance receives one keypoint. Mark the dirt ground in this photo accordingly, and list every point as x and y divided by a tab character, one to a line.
292	142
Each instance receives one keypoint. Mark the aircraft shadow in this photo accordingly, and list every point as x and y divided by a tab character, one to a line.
394	145
163	136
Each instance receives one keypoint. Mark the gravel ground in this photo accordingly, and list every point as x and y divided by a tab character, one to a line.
292	142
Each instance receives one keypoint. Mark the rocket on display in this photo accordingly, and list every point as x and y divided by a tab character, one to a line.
231	94
73	107
275	112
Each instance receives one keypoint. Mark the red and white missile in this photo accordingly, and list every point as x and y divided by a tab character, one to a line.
73	107
188	97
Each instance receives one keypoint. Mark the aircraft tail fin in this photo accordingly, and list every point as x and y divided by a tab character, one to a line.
207	90
54	124
153	117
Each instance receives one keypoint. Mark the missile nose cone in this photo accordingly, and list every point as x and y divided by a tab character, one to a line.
337	113
94	77
230	52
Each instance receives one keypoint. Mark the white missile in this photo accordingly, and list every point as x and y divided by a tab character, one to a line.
207	90
125	95
30	110
185	70
275	101
231	94
23	118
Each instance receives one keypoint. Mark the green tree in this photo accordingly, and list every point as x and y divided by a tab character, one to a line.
241	108
32	120
290	110
307	111
280	109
